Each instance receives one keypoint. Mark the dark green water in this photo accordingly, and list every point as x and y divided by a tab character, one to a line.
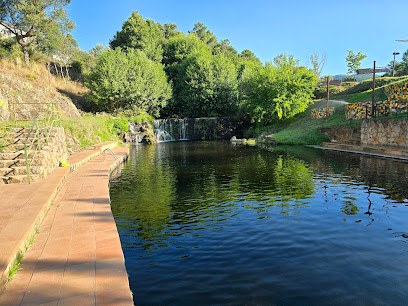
209	223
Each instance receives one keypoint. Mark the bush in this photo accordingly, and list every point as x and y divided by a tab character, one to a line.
127	79
277	91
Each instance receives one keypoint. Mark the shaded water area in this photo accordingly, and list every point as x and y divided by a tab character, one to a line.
211	223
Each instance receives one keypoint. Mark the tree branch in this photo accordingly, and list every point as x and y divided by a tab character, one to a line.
4	24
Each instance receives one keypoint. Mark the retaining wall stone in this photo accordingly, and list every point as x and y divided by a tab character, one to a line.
390	132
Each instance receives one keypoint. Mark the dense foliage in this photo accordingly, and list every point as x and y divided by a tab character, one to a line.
277	90
128	80
157	69
145	35
30	21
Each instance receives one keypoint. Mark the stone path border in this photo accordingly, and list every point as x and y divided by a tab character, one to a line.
78	249
372	154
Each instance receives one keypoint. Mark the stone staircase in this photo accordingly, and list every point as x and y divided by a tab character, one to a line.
13	167
354	138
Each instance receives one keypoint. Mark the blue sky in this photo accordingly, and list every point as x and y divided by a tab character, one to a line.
268	28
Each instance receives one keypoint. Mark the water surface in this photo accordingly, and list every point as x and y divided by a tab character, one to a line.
211	223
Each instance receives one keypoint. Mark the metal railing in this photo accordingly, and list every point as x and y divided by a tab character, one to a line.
111	152
39	132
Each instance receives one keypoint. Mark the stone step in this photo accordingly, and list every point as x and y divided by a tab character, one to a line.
18	179
20	163
20	147
13	171
19	155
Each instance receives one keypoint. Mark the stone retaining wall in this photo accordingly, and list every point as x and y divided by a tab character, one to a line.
56	150
340	134
390	132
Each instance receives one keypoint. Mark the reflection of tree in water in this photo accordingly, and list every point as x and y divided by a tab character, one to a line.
174	186
144	192
349	207
383	173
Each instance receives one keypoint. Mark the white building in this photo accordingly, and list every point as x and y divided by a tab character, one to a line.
4	32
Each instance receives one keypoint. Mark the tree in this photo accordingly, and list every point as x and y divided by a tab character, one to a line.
318	64
354	61
68	52
50	44
170	30
28	20
145	35
206	86
98	50
401	68
224	46
204	35
248	55
128	79
277	90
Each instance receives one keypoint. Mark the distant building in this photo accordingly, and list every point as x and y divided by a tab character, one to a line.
4	32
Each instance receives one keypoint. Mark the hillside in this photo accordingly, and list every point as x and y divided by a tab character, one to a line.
362	92
302	129
20	84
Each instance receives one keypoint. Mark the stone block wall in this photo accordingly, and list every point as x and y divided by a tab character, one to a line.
56	150
390	132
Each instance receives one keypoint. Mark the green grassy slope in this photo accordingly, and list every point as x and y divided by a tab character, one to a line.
302	129
362	92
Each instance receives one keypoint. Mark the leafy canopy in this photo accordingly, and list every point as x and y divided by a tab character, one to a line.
354	61
145	35
31	20
128	79
277	90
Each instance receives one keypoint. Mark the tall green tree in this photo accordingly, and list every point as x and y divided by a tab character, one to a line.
207	86
28	20
51	44
170	30
277	90
145	35
128	79
354	61
68	52
204	35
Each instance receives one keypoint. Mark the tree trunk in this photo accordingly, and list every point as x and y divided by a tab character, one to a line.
24	47
56	69
48	68
26	56
62	72
67	72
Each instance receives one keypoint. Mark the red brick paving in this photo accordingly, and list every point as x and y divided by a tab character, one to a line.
77	257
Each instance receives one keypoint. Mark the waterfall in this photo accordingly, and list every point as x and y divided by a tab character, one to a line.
170	129
209	128
182	123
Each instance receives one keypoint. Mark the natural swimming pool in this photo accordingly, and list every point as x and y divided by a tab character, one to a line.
212	223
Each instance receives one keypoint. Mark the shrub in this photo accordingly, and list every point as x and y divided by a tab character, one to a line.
126	79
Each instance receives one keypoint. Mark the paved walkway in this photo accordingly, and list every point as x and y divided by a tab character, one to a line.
76	258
